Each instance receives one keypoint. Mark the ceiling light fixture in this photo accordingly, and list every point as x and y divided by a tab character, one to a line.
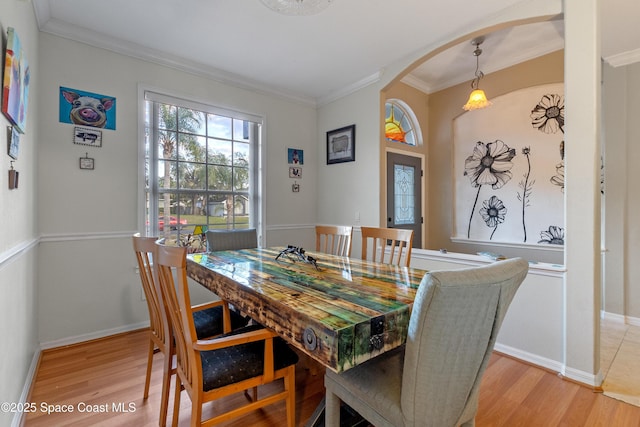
477	98
297	7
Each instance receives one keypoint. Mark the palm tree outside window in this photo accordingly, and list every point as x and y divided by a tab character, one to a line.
201	170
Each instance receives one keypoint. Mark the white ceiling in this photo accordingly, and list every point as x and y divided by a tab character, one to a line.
311	58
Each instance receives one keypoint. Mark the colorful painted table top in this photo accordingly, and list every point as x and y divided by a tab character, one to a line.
342	313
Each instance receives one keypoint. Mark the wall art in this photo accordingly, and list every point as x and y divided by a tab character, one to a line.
509	169
13	142
87	109
15	88
341	145
295	172
87	136
87	162
295	156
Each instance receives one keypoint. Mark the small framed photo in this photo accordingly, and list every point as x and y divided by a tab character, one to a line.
341	145
295	172
13	139
295	156
87	163
87	136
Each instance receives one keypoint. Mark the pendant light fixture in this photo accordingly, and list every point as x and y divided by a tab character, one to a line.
297	7
477	98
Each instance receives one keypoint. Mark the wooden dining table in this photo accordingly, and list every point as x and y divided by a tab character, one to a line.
340	311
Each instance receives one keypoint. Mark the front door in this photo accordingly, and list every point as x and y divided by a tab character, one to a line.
404	194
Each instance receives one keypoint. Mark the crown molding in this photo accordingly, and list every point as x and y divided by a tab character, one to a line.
347	90
81	35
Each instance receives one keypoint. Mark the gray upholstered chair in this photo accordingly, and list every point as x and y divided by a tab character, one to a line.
434	380
225	240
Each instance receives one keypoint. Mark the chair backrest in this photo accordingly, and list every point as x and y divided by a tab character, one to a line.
453	327
398	240
146	253
171	264
225	240
334	239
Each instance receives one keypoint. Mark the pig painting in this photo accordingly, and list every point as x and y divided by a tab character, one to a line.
87	109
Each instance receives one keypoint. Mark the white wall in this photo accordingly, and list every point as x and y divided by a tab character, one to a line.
532	329
632	212
18	245
615	142
88	283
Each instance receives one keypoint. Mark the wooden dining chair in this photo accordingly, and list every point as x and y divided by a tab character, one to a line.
208	319
396	241
334	239
433	380
217	367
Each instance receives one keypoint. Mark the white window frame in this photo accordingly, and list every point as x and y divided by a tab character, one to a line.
257	185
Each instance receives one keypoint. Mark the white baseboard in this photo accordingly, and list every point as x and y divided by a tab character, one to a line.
584	377
92	336
552	365
534	359
620	318
24	396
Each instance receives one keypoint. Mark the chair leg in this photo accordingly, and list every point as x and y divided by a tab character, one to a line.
332	410
290	387
196	411
149	366
176	402
166	384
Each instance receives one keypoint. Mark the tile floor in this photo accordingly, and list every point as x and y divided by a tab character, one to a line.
620	360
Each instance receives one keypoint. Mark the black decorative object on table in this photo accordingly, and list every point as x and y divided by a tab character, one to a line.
299	253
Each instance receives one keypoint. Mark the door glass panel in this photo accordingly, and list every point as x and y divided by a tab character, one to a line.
404	194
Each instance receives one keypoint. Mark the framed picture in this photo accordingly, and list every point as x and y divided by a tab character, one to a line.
82	108
295	156
87	136
13	139
341	145
15	87
295	172
87	163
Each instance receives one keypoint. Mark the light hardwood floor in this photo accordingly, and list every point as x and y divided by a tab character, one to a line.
110	372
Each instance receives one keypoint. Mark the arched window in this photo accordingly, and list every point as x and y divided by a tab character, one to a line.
401	124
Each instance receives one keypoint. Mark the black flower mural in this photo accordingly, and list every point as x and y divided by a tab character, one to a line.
493	213
553	236
527	188
548	115
490	164
519	139
558	178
